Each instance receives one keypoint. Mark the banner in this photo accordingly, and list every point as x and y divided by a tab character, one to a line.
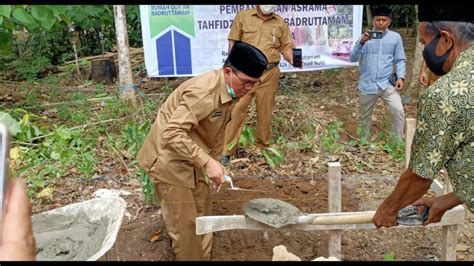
187	40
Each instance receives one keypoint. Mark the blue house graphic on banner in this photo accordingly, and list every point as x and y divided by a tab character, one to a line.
173	51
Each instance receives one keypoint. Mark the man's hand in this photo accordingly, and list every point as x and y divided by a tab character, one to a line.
399	84
365	37
18	240
423	76
383	219
438	206
215	171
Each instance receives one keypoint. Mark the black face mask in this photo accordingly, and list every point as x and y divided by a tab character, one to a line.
435	63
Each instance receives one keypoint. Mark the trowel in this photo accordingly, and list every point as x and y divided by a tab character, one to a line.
232	187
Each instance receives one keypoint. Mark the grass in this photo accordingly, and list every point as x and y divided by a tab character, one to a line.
73	142
77	138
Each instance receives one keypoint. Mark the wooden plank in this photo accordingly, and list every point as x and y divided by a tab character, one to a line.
410	127
448	248
207	224
334	202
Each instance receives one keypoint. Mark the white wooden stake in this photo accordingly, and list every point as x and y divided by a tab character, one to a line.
448	248
410	125
334	201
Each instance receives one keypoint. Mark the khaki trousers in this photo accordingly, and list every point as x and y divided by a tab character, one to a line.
180	206
265	93
392	98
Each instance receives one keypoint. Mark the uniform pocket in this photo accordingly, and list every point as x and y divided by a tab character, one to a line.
148	154
249	34
147	162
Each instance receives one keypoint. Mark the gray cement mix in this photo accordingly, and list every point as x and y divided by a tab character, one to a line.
273	212
61	237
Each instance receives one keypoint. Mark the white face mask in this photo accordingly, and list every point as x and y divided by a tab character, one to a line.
267	9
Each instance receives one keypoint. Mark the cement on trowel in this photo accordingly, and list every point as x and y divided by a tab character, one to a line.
273	212
69	237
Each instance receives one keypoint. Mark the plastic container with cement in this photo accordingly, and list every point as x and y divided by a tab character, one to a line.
80	231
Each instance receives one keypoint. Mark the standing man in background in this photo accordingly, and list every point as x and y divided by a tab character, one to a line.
377	58
267	31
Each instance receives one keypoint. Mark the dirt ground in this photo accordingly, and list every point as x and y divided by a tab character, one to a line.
299	180
310	196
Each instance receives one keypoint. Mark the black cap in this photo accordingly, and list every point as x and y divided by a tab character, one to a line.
247	59
451	12
382	11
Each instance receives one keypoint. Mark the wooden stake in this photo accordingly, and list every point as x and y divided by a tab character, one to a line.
74	41
334	201
448	248
410	125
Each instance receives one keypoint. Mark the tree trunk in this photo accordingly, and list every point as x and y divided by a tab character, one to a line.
103	70
127	87
414	85
369	16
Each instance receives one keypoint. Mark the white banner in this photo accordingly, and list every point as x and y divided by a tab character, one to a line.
187	40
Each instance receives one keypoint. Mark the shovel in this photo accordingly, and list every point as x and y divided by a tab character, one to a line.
277	213
322	221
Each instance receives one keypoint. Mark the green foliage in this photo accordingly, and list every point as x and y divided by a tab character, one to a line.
389	256
134	29
330	139
403	16
134	135
247	137
147	187
363	140
390	142
48	37
273	156
29	69
53	154
10	122
28	130
393	145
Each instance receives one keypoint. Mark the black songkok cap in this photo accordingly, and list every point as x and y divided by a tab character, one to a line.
382	11
446	12
247	59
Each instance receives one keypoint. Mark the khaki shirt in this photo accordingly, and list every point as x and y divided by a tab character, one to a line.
444	131
271	36
188	130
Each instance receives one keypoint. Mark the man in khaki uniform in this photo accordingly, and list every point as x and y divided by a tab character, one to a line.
181	148
267	31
